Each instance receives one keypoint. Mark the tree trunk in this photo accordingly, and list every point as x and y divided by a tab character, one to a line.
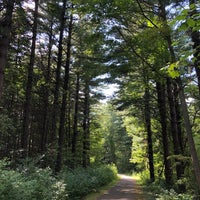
57	82
149	134
195	35
5	29
174	132
179	119
184	109
75	123
64	100
29	86
47	72
163	120
69	123
86	131
44	130
188	128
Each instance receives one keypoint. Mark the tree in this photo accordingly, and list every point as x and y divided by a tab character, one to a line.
47	71
5	27
147	116
187	123
75	122
56	106
86	126
161	91
110	138
175	131
29	85
64	99
81	47
195	35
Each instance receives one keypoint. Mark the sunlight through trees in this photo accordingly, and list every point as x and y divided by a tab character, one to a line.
96	82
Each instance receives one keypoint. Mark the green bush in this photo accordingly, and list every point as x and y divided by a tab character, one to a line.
30	185
45	186
158	189
81	182
106	174
172	195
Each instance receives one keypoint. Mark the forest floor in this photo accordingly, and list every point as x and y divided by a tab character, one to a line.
125	189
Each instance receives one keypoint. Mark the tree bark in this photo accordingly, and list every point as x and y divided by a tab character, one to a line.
64	100
184	109
29	86
5	29
56	108
193	152
163	116
44	132
149	134
174	132
195	35
75	123
181	136
86	131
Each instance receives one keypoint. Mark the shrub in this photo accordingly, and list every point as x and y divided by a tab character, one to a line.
158	189
81	182
172	195
45	186
30	185
106	174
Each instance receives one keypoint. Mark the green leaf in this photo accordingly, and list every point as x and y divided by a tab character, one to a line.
193	6
185	12
183	26
180	17
173	70
191	22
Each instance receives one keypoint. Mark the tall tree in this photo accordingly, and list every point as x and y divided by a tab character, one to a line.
184	108
56	106
86	125
161	91
75	121
47	72
64	99
29	85
175	131
5	30
195	35
149	133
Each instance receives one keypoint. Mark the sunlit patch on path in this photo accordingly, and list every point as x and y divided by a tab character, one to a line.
125	189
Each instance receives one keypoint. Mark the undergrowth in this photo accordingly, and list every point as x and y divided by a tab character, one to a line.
81	182
29	182
159	191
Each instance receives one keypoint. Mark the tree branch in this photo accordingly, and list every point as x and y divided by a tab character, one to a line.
139	4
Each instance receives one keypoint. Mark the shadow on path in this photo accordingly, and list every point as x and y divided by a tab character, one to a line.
125	189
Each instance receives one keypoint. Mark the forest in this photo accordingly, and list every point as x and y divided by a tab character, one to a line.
57	126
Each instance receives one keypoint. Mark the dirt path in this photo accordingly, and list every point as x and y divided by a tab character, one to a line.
126	189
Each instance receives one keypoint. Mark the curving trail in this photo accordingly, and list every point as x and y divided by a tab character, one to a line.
125	189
